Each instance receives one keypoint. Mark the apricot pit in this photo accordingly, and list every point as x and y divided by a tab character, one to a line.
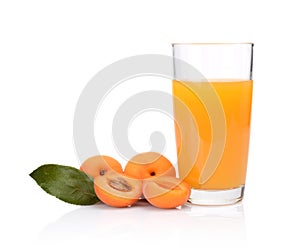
117	190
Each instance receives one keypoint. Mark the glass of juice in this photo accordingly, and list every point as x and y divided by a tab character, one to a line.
212	118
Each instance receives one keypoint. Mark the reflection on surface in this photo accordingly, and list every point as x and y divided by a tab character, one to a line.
216	226
222	225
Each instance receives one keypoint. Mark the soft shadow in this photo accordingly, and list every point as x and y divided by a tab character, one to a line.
188	226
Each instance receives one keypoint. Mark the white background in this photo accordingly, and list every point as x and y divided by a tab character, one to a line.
49	50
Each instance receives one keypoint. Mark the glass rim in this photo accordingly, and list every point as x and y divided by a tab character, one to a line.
210	43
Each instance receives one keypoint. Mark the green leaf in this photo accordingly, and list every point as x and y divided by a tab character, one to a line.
66	183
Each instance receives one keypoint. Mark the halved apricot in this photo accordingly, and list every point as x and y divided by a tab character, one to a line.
149	164
166	192
93	166
117	190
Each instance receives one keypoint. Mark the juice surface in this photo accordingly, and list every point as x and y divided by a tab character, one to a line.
235	97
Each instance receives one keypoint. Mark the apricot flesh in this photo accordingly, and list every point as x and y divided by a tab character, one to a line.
149	164
95	165
166	192
117	190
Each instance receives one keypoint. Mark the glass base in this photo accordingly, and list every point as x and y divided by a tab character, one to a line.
216	197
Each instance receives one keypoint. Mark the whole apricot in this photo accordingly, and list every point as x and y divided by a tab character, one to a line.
117	190
95	165
149	164
166	192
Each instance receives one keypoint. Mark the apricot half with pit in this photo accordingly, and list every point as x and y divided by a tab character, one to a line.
117	190
166	192
149	164
95	165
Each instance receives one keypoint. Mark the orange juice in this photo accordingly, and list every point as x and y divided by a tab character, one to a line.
235	97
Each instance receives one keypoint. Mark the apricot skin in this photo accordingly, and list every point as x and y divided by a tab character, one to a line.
96	164
149	164
166	192
117	190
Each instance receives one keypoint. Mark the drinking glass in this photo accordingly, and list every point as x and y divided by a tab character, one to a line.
212	147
